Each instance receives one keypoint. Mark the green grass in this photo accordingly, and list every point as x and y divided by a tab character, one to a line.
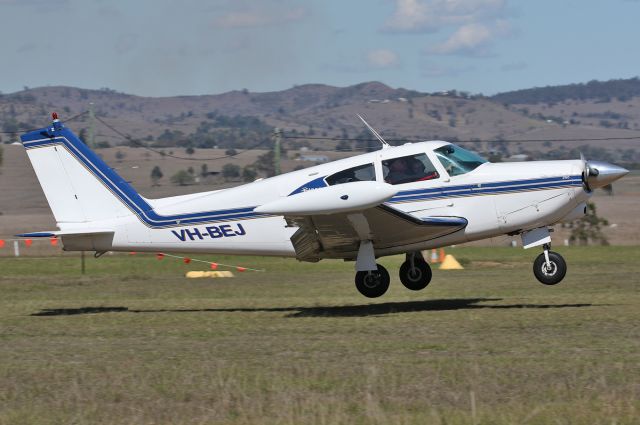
133	341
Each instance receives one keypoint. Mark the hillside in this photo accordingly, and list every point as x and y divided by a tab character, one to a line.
599	91
242	119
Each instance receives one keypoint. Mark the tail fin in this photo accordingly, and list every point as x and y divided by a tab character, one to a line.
78	185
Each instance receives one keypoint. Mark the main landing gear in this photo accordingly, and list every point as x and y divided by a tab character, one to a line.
549	267
373	283
415	274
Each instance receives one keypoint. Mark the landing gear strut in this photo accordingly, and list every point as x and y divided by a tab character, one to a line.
373	283
415	273
549	267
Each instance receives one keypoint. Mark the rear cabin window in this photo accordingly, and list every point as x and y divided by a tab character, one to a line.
360	173
407	169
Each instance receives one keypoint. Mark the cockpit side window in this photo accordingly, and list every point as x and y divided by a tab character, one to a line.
364	172
457	160
407	169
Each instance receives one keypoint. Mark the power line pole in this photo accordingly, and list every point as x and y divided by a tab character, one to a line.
276	151
92	117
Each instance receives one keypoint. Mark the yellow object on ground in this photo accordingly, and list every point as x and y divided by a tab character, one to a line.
450	263
197	274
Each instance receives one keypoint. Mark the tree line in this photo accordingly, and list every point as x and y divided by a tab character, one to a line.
600	91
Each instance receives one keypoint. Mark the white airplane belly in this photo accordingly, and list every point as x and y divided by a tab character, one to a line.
262	236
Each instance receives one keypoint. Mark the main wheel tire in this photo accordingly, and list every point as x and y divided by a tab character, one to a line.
552	274
373	284
415	278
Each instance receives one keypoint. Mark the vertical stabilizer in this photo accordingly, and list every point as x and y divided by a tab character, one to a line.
78	185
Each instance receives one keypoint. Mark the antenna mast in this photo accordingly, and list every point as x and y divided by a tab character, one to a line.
374	132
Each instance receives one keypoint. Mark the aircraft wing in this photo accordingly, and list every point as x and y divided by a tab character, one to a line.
339	235
332	221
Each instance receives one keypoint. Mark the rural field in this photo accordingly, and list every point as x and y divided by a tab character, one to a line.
134	342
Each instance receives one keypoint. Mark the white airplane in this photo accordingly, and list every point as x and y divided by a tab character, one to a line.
397	200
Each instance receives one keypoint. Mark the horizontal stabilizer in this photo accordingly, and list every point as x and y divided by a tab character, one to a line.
55	233
85	239
37	235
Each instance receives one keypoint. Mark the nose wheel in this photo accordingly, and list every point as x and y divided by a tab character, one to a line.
415	273
373	283
549	267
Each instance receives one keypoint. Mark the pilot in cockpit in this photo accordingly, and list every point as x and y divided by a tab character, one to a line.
406	170
398	171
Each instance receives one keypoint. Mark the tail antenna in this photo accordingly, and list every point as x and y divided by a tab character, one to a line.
374	132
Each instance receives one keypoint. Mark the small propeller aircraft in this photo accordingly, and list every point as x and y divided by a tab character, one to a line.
397	200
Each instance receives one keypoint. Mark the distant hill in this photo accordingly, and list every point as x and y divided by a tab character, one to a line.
307	110
241	119
600	91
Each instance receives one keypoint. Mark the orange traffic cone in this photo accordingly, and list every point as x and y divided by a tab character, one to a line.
434	256
442	256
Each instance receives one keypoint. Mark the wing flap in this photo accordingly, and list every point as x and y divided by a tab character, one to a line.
393	227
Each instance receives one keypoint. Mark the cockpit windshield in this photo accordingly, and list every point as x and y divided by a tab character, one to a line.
457	160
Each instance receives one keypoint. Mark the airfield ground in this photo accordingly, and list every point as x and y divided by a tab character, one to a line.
133	341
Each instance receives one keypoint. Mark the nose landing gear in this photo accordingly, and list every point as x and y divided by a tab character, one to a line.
549	267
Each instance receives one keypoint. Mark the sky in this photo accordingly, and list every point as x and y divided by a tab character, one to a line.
193	47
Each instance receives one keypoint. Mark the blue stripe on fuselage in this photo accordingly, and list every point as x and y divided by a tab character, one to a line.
493	188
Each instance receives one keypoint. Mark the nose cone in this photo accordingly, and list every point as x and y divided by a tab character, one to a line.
600	173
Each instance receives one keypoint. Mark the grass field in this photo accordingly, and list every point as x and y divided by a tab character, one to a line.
134	342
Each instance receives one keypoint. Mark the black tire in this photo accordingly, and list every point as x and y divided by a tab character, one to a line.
373	284
415	279
552	275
